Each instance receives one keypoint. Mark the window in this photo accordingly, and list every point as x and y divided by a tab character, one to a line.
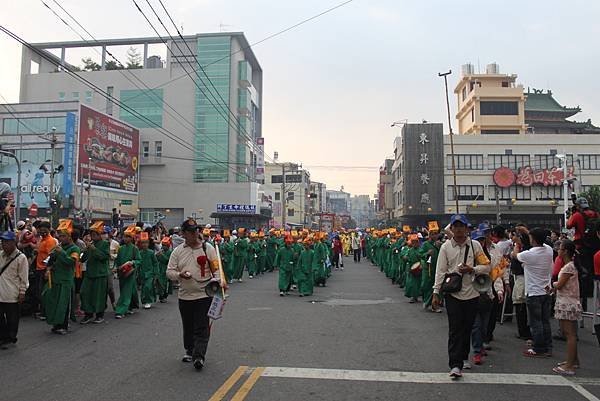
548	193
513	192
295	178
590	162
75	95
466	162
61	96
276	179
513	162
505	84
495	108
466	192
499	132
473	114
88	97
158	148
145	149
290	212
109	102
541	162
291	196
144	107
277	196
464	93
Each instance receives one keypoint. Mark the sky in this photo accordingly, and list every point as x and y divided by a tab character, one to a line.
333	86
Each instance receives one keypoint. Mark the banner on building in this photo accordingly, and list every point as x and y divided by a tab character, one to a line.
110	149
260	159
69	156
35	182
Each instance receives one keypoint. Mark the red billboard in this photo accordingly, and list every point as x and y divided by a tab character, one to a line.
111	147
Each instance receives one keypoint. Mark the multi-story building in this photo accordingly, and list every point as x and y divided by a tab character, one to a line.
199	114
385	191
318	201
398	178
360	210
291	200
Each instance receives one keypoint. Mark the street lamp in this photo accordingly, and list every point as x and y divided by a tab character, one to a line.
563	162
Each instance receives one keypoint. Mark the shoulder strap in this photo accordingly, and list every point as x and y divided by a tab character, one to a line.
9	262
466	254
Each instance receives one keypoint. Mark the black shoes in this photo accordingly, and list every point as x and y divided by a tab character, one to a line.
198	363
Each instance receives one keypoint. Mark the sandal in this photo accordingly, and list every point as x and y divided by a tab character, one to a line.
563	372
561	364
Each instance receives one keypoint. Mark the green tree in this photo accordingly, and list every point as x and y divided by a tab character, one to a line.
113	65
90	65
593	197
134	59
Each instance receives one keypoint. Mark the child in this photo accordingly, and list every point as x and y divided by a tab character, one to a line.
148	271
165	285
567	309
304	269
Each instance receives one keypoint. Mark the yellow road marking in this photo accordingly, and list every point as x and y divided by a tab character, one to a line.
248	384
229	383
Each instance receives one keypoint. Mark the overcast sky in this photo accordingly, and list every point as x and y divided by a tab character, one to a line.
333	86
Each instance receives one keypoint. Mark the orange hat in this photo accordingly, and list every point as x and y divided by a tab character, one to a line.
413	237
288	239
241	230
166	241
261	234
65	226
206	232
98	227
226	233
131	231
218	238
144	236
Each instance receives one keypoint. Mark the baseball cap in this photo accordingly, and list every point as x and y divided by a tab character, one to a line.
189	225
459	218
8	236
477	235
582	202
484	227
21	224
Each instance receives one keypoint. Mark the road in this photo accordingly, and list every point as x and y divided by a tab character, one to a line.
357	339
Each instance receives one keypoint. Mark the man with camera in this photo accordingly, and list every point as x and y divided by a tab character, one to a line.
194	264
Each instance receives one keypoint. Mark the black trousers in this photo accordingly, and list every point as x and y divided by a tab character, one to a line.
195	321
523	327
9	322
364	252
461	315
38	285
357	255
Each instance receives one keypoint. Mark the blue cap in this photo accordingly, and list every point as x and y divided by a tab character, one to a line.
107	229
458	218
484	226
8	236
477	235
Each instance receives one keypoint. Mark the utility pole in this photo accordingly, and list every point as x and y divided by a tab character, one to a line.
497	205
18	195
283	196
89	194
445	75
51	201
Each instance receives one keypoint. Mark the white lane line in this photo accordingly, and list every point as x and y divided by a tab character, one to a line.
433	378
415	377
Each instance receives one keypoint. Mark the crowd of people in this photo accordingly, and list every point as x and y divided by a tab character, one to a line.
479	273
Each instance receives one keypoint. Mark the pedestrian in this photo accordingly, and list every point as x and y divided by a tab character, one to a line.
109	235
567	309
363	244
272	244
521	243
127	263
240	254
413	264
462	258
253	251
148	271
337	247
285	261
304	269
537	265
94	286
45	244
14	281
165	286
356	247
320	260
57	294
194	264
429	253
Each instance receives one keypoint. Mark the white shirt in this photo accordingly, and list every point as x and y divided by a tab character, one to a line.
184	259
504	247
14	280
537	264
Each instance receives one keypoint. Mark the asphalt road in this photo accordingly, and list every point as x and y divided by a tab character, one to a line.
361	329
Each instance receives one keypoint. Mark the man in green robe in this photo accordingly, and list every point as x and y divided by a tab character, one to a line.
319	261
304	270
272	245
165	286
148	273
285	261
129	255
240	255
297	247
253	250
61	279
226	250
429	253
95	281
413	276
262	253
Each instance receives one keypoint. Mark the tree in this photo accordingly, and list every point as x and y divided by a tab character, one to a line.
133	58
113	65
593	197
90	65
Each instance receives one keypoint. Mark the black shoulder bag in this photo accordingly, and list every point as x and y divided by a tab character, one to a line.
9	262
453	281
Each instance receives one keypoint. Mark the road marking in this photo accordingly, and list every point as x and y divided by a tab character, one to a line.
429	378
229	383
248	384
261	308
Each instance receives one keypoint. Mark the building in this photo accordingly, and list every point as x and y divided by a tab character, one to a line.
544	115
291	200
490	103
318	201
338	202
200	127
360	210
385	210
398	178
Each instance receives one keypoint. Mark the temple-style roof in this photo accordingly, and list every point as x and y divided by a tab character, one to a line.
539	102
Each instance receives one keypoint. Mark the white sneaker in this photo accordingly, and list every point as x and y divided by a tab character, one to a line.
250	277
455	373
467	365
240	280
147	306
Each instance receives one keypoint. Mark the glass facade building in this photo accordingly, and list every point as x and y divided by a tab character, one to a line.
148	103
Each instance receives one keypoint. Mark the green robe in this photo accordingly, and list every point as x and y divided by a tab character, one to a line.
226	250
253	249
95	281
148	275
128	296
319	268
428	274
304	271
395	260
413	282
57	296
297	247
240	257
165	285
272	245
285	260
402	267
262	256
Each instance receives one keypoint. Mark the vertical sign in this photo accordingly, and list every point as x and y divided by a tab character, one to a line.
260	159
69	156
